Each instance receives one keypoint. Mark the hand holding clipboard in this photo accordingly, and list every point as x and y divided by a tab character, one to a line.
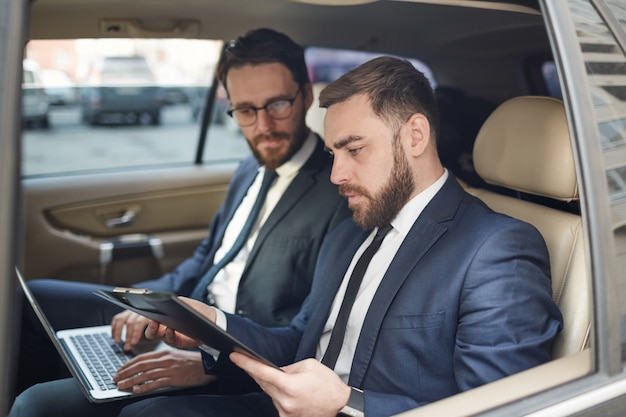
170	310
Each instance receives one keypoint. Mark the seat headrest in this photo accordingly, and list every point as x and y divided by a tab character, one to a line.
525	145
315	114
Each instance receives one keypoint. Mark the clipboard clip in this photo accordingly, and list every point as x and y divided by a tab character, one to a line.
129	290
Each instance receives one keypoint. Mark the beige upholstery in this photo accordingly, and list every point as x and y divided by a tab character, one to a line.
315	115
525	146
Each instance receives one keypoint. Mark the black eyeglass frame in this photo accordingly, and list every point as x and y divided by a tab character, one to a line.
256	109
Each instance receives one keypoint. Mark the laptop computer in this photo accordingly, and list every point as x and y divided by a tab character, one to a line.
90	353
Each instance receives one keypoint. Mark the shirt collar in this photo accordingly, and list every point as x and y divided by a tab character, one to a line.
292	166
412	210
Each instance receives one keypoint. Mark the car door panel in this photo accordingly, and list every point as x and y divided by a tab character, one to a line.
138	213
118	228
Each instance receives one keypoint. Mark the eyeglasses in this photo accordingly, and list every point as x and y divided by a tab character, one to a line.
277	110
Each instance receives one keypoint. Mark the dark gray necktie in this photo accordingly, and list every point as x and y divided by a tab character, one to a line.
339	329
200	291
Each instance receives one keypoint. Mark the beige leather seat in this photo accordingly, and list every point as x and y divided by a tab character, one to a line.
315	115
525	146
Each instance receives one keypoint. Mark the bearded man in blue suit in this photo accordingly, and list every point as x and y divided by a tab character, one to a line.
455	297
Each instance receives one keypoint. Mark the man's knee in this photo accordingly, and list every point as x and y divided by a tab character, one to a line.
36	401
152	407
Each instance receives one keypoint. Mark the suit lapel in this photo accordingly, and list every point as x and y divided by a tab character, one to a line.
304	180
330	278
426	230
298	187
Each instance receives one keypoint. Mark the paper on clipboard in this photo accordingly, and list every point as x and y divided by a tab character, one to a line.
166	308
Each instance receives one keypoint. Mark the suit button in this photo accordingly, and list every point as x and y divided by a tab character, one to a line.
241	312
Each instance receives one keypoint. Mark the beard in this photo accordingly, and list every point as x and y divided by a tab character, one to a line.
273	158
385	206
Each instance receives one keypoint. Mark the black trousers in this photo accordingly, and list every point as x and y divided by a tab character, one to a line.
249	405
64	398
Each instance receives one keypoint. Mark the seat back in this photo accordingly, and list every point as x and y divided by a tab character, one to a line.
525	146
315	115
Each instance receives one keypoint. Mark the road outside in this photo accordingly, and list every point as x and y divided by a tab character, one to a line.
70	145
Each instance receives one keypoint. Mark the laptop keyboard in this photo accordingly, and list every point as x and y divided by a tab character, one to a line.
102	355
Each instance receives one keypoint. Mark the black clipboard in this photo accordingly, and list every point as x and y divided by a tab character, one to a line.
166	308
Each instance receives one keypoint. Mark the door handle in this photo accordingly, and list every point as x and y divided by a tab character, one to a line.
126	219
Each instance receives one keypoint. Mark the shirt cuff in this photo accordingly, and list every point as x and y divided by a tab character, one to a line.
220	319
210	355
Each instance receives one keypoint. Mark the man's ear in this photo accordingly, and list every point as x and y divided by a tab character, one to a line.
419	134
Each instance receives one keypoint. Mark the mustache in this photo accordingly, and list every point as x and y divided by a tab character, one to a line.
354	189
273	136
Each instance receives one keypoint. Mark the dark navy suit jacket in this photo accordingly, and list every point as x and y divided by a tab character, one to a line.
278	274
466	300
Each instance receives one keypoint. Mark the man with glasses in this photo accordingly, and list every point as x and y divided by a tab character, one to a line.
260	269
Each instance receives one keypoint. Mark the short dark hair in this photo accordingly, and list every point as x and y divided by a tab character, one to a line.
263	46
396	90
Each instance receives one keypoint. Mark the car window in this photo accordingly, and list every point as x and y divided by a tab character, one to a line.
102	104
605	64
327	64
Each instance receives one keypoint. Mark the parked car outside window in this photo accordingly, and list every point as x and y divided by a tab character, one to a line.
59	87
121	89
35	103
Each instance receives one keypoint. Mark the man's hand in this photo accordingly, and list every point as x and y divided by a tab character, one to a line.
305	388
161	369
135	326
158	331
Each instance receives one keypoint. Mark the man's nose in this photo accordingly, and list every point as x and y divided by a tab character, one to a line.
263	121
339	172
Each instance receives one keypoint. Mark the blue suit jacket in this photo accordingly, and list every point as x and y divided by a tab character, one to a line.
279	271
466	300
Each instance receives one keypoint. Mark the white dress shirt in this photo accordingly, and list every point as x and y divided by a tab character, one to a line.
372	278
226	283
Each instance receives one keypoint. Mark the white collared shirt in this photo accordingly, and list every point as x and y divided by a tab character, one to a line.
373	277
226	283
